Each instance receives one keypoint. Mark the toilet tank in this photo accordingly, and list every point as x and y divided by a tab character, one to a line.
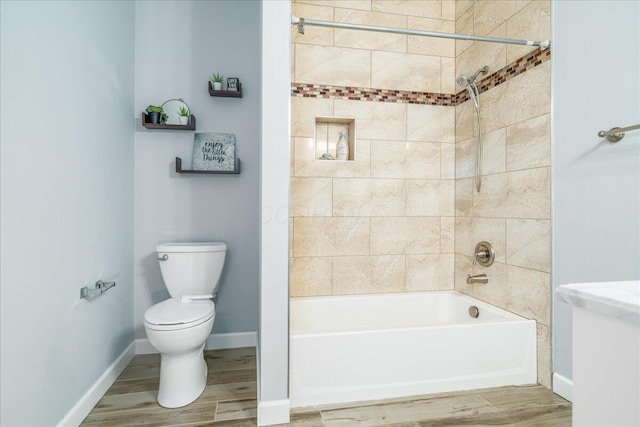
191	268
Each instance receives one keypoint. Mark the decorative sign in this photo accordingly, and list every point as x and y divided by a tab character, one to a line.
233	83
214	152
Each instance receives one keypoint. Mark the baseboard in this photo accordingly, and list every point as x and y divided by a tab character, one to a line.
86	403
214	342
273	412
563	386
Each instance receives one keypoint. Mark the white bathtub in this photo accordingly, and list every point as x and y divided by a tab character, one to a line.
355	348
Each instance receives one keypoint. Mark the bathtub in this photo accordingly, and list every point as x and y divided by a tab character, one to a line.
365	347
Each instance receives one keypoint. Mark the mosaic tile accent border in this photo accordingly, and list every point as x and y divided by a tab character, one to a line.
517	67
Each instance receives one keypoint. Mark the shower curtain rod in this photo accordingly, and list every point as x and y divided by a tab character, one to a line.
302	22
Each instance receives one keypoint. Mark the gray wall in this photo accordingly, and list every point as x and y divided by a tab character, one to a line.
66	201
596	184
178	46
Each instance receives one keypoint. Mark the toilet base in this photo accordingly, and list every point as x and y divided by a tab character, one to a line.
183	378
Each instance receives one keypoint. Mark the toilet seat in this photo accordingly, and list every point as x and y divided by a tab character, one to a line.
171	315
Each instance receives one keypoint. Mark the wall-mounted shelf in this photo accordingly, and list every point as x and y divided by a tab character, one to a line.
146	123
180	170
226	93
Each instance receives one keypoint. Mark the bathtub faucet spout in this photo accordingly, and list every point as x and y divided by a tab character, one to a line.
479	278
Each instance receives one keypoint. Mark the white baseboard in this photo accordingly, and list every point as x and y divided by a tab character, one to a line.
86	403
273	412
563	386
214	342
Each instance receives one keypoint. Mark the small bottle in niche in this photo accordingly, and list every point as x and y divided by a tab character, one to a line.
342	149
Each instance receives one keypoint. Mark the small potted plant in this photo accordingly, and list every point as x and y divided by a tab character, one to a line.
217	79
155	113
183	115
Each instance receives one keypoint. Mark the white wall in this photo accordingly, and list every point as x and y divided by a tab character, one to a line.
179	44
596	184
273	337
66	201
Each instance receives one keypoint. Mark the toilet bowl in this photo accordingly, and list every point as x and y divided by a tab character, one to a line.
179	327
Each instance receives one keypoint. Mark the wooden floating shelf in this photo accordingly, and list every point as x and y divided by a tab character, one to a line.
180	170
146	123
226	93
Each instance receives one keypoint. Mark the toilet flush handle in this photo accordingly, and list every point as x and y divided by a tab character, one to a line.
163	257
189	298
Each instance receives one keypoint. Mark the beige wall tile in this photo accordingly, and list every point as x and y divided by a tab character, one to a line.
368	274
494	157
430	197
306	165
529	143
449	75
400	159
311	196
492	113
312	35
425	8
465	158
375	120
368	197
447	161
464	25
404	71
327	65
463	6
528	95
489	14
369	39
465	125
449	10
290	238
471	231
529	243
480	54
431	45
310	276
464	197
402	235
533	22
430	272
330	236
520	194
303	113
544	355
462	266
348	4
447	234
430	123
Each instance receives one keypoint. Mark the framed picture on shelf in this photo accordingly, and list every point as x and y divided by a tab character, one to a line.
214	152
233	83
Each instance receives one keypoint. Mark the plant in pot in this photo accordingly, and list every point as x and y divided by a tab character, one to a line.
217	79
183	115
155	113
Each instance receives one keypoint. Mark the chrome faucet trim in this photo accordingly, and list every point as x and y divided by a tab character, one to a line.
479	278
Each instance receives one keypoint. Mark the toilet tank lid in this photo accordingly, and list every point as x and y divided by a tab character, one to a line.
187	247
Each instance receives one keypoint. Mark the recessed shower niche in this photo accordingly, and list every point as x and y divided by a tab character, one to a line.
327	135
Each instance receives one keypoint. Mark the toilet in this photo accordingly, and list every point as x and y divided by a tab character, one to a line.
179	327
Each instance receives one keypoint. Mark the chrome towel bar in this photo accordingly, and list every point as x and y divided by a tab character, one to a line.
616	134
100	288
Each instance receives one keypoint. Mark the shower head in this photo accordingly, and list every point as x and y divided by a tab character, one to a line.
464	81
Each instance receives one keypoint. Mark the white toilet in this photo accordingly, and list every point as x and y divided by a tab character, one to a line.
179	327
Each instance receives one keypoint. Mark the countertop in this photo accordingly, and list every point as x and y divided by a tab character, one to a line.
620	300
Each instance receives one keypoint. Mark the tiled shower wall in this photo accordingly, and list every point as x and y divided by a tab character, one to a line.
512	210
385	223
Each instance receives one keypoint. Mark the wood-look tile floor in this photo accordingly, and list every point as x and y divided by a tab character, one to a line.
230	400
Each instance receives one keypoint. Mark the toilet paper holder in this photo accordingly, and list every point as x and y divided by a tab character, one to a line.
100	288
